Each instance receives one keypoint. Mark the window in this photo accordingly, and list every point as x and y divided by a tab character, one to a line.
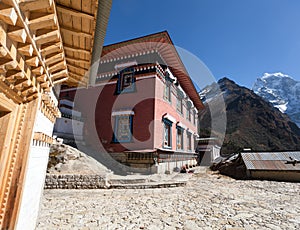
189	141
179	138
188	113
188	110
167	94
179	105
194	117
168	85
180	97
126	81
123	128
167	133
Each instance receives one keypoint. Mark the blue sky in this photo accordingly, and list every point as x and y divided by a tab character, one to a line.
233	38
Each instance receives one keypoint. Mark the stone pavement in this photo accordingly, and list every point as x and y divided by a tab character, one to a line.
208	201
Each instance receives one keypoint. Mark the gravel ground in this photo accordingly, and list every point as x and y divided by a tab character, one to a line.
209	201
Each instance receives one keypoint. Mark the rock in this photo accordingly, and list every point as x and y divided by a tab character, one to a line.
191	225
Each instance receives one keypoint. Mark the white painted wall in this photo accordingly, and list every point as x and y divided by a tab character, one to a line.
43	125
215	153
34	176
66	102
70	112
68	126
33	188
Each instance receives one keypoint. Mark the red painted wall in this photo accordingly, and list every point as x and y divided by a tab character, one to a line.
97	105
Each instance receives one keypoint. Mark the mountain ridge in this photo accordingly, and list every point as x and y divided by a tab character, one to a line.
251	122
282	91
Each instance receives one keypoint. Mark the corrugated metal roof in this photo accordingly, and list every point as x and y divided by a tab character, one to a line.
271	161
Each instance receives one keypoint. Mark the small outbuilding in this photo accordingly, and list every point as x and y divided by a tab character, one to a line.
208	150
280	166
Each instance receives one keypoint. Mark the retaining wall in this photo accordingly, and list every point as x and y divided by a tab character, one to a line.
54	181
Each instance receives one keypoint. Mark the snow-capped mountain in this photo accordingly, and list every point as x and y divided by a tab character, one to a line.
251	121
282	91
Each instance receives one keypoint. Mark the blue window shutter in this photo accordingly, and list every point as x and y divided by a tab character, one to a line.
119	83
115	129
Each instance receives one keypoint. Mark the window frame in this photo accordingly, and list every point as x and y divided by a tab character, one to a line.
188	111
189	141
167	122
168	87
167	92
120	83
116	129
180	97
178	128
188	114
194	117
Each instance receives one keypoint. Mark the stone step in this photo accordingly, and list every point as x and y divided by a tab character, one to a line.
128	181
148	185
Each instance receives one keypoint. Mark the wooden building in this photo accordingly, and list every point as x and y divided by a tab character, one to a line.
146	105
42	44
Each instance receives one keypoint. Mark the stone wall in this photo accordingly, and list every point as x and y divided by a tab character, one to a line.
54	181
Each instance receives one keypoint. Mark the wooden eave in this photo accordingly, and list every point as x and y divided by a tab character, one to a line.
77	21
42	41
161	43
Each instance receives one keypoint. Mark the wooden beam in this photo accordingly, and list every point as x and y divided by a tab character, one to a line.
60	74
18	35
76	82
2	77
60	80
38	71
17	62
42	78
9	16
19	85
77	77
48	89
26	50
77	50
2	69
78	70
54	59
34	61
31	97
47	37
58	66
78	60
52	49
17	75
12	94
42	22
11	82
73	12
29	90
34	4
77	66
45	84
46	98
75	32
24	23
11	65
3	51
26	91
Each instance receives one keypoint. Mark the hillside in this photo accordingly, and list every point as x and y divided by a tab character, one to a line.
251	121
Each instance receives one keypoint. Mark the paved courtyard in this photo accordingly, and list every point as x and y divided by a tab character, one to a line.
209	201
